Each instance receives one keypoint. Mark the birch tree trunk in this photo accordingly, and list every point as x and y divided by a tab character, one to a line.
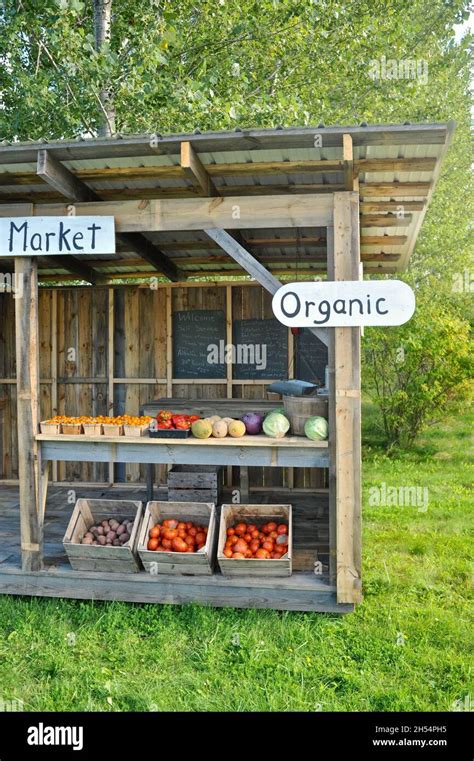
102	33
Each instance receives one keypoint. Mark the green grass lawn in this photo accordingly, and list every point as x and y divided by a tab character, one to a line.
407	647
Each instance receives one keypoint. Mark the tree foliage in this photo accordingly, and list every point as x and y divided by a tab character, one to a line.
178	65
420	371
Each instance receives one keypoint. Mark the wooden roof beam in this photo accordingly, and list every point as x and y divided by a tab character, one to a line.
195	170
348	158
254	268
59	177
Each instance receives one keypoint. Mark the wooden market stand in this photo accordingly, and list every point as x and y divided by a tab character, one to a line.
270	204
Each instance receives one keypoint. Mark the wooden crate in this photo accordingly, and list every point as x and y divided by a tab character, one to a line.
92	429
89	512
259	514
136	431
181	563
50	428
112	429
195	483
71	429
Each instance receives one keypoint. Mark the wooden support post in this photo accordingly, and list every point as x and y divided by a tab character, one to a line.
110	368
169	343
228	315
29	455
54	366
345	444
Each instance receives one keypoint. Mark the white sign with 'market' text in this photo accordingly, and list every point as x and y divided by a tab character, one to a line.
52	236
344	303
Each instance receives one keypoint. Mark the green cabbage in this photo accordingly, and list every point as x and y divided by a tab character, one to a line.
316	428
276	425
277	409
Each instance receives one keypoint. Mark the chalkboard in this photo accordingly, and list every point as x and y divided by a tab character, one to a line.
193	332
261	350
311	357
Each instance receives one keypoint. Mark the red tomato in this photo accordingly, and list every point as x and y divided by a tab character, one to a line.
193	418
154	532
240	529
152	544
282	528
254	545
179	545
166	544
189	525
230	532
251	527
200	537
241	546
170	523
192	531
268	546
228	552
238	556
255	534
170	533
262	554
247	538
189	540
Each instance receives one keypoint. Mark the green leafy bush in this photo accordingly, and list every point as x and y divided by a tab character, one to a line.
421	371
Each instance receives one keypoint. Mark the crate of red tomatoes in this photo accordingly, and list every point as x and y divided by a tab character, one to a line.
178	538
171	425
255	540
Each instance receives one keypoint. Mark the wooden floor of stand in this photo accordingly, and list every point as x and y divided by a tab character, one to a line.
303	591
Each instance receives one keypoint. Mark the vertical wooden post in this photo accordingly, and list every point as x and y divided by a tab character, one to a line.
29	455
229	368
54	365
169	342
290	472
344	375
110	368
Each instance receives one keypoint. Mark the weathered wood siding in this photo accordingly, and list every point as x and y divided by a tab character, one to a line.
74	364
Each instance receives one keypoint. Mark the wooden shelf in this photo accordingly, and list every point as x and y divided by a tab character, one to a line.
293	451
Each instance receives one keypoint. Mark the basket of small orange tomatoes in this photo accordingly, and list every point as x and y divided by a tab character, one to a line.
255	540
178	538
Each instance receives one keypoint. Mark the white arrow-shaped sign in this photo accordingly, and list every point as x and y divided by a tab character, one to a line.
344	303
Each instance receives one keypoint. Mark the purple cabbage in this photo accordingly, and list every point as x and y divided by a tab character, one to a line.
253	422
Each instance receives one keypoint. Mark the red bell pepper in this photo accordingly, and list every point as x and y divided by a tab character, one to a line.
165	424
164	415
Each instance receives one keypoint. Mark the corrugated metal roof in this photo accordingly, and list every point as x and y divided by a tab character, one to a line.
138	166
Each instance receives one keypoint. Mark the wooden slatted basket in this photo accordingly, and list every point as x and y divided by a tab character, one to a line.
86	557
258	514
179	563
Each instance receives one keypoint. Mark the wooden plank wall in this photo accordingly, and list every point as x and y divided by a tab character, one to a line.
75	363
